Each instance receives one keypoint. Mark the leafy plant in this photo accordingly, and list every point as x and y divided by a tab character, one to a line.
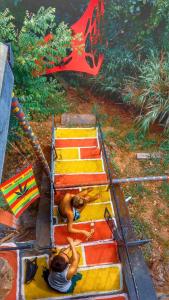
150	93
131	72
7	27
32	55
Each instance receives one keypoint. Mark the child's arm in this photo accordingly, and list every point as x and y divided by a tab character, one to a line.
85	192
75	260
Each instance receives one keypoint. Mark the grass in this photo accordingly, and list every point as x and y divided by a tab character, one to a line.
165	253
138	189
111	134
116	121
164	192
136	141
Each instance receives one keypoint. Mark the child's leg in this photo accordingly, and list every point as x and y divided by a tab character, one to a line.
75	278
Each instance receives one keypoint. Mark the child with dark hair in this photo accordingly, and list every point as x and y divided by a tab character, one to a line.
69	209
62	274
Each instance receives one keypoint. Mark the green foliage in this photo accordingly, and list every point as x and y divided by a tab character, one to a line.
137	139
165	192
7	28
151	92
38	94
136	65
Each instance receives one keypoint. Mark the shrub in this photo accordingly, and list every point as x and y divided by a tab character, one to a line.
38	94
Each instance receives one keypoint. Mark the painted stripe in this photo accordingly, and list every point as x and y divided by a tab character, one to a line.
102	232
82	166
67	154
20	200
101	254
59	143
24	202
61	181
14	183
14	196
90	212
25	207
15	177
75	133
89	153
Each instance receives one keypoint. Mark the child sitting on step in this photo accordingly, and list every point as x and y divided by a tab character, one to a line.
62	274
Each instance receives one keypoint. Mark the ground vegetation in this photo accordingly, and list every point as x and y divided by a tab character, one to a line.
38	94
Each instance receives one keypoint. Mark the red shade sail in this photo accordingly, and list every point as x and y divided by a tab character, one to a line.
84	56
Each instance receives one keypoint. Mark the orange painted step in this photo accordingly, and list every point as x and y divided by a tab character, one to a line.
63	143
11	257
59	195
102	232
89	153
101	253
63	181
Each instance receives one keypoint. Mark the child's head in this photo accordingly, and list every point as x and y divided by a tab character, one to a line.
59	263
77	201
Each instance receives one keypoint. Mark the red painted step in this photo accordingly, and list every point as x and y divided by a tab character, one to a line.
90	153
64	143
59	195
102	232
63	181
101	254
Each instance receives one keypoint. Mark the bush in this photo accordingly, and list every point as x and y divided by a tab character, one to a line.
151	91
38	94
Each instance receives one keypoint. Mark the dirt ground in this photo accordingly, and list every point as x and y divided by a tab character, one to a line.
147	209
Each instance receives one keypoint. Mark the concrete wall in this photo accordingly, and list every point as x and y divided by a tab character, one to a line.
6	87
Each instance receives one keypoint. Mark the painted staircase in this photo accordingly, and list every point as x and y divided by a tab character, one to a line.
79	161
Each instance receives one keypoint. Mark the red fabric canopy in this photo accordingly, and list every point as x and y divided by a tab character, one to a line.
84	56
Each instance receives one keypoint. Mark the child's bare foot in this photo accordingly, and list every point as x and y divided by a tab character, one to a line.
77	242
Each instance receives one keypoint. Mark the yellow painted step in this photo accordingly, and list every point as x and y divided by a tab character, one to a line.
94	279
102	192
67	153
75	133
75	167
91	212
94	212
